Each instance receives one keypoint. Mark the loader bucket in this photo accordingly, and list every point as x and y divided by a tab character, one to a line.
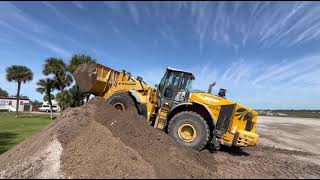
94	78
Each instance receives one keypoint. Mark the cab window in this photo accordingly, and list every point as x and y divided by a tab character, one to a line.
171	85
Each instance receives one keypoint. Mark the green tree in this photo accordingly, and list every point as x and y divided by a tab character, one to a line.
59	70
19	74
63	99
3	93
46	86
75	61
46	97
71	97
76	97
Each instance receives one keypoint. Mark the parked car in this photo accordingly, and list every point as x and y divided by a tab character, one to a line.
46	108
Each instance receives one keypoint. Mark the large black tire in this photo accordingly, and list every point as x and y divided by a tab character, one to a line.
123	101
184	119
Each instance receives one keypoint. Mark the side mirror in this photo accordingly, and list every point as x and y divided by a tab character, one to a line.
139	78
156	85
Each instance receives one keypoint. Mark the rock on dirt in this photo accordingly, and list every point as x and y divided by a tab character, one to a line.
96	141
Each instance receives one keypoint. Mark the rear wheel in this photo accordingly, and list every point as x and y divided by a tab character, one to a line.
122	101
190	129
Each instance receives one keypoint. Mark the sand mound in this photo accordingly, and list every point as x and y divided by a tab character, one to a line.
96	141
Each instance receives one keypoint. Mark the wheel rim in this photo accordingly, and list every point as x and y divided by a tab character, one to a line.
119	106
187	132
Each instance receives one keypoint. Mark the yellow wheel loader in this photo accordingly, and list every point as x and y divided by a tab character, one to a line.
193	118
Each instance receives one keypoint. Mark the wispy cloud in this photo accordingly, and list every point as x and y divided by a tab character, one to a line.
114	5
242	75
265	86
134	12
79	4
28	28
168	34
276	71
235	24
286	25
54	48
179	6
80	27
43	43
246	77
12	14
237	71
115	29
308	78
289	24
286	71
57	12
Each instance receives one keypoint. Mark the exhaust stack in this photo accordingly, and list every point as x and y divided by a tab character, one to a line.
210	87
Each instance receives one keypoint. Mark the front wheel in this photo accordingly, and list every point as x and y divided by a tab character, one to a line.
190	129
122	101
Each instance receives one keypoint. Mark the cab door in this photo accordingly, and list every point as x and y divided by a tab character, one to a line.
172	90
168	88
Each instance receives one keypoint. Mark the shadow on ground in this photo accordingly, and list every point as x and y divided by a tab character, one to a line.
235	151
6	141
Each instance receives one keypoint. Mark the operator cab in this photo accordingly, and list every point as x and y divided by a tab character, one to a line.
175	86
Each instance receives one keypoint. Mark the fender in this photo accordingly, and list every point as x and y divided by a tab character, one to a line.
136	96
191	103
178	105
142	107
208	110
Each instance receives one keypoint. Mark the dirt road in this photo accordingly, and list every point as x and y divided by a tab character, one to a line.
290	133
301	134
96	141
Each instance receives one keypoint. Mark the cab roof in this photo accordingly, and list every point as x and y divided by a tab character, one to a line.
179	70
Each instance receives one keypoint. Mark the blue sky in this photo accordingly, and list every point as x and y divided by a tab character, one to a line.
266	54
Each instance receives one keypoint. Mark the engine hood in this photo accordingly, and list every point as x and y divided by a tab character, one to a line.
213	100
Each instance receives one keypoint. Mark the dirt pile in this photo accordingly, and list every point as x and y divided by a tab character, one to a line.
96	141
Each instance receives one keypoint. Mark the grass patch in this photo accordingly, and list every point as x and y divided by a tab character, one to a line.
13	131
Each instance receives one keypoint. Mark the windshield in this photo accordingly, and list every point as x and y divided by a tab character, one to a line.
189	85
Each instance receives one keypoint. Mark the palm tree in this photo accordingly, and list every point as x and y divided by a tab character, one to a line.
58	68
76	97
3	93
75	61
78	59
45	86
19	74
64	99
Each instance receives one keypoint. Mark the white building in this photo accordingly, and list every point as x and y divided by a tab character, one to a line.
9	104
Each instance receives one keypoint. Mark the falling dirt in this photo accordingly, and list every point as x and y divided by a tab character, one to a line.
96	141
